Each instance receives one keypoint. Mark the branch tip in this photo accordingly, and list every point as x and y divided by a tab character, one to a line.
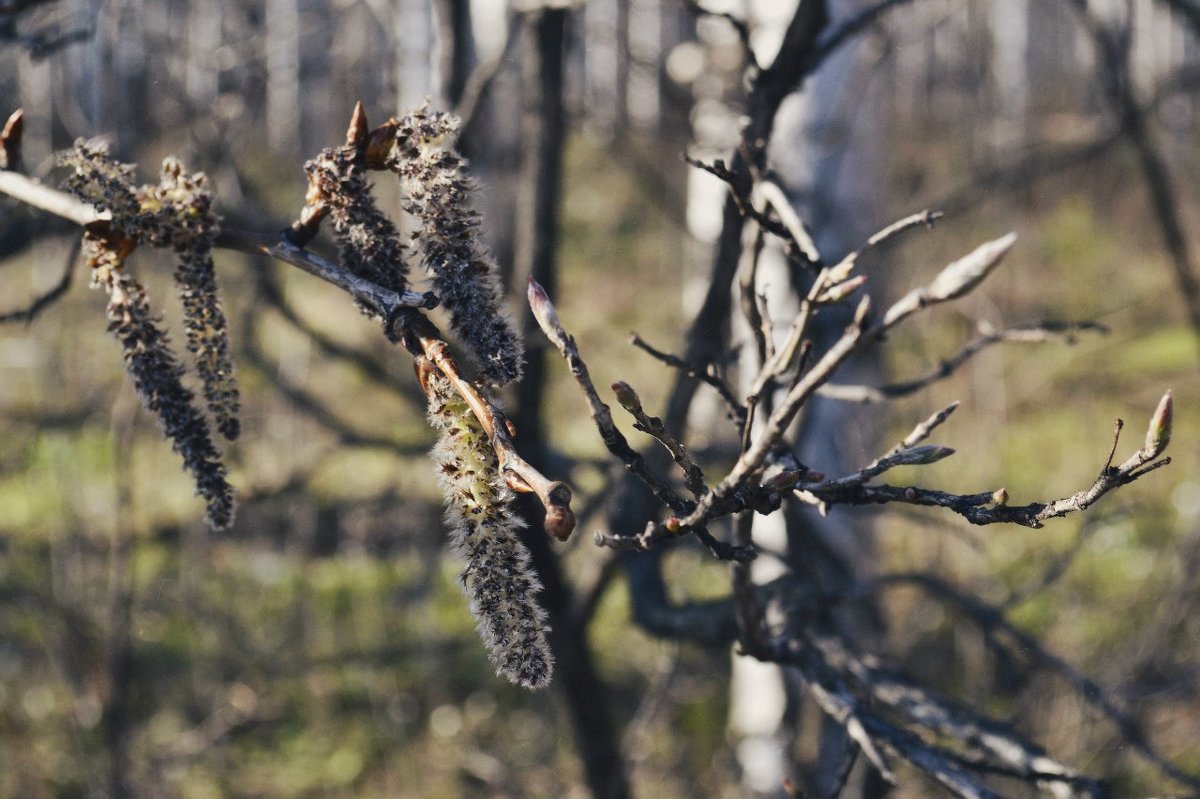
1158	434
356	134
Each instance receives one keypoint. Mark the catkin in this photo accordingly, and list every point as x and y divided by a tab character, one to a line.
176	213
157	377
186	222
368	242
438	192
498	576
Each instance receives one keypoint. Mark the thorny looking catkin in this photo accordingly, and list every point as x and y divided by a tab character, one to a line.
176	213
368	242
466	280
156	377
498	575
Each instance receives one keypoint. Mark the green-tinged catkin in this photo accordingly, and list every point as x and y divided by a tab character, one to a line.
188	223
466	279
368	242
498	575
157	378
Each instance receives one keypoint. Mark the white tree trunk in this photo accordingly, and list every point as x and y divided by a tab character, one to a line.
282	39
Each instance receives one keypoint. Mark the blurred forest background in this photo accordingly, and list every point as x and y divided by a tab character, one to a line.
322	646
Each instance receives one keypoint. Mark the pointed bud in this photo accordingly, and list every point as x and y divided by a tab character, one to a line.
356	134
377	149
969	271
10	140
544	313
786	480
836	274
842	290
1158	435
861	312
626	396
922	456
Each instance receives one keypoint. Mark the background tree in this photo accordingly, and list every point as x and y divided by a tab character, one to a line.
321	644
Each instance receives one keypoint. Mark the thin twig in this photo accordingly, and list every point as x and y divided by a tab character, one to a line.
1046	332
704	374
992	621
44	301
693	476
384	302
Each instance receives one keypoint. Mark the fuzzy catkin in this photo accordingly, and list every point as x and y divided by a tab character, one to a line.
465	277
157	379
498	576
368	242
107	184
177	213
186	221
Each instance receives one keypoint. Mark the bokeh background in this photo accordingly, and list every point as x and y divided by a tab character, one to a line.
322	646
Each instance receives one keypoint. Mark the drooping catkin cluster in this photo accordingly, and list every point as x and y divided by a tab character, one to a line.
368	242
176	213
437	193
498	576
157	376
184	219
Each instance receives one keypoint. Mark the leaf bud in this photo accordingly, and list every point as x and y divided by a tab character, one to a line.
1158	434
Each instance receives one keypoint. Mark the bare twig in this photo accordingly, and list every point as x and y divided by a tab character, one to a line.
992	621
972	507
775	197
922	431
693	476
40	303
702	373
547	318
386	303
1045	332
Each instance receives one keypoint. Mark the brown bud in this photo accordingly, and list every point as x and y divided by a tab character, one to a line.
10	140
560	522
356	134
545	314
626	396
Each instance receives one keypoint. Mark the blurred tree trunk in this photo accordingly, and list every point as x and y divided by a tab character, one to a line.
282	40
824	153
537	237
413	30
458	47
